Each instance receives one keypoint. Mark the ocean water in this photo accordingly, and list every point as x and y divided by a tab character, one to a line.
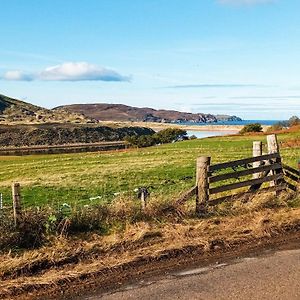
244	122
204	134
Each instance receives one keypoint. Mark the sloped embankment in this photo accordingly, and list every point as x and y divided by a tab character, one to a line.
61	134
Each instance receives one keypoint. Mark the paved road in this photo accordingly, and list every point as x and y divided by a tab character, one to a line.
272	276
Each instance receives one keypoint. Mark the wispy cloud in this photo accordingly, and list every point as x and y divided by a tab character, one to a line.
207	86
17	75
68	71
244	2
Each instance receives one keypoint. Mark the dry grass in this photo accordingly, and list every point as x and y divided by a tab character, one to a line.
162	229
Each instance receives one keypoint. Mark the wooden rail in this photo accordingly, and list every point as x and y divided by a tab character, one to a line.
246	194
239	174
292	175
291	172
243	162
251	182
264	168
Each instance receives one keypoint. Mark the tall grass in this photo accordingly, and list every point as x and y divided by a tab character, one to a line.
38	226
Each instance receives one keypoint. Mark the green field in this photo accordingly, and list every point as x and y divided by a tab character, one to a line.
100	177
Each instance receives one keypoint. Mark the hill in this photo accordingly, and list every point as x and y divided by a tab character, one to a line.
13	111
121	112
62	134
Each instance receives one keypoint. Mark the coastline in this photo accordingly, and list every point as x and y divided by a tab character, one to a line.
160	126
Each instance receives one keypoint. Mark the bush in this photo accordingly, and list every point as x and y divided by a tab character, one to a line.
30	234
254	127
277	126
193	137
142	140
89	219
169	135
164	136
293	121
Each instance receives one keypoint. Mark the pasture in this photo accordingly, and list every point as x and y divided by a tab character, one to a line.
100	177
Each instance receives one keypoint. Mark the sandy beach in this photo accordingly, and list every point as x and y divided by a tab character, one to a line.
160	126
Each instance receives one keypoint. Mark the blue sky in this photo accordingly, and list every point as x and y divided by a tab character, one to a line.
237	57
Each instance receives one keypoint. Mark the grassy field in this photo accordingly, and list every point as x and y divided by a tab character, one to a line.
100	177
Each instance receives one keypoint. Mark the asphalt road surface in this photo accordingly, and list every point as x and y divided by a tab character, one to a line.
271	276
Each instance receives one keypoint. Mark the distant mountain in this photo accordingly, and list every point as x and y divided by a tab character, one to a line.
13	111
120	112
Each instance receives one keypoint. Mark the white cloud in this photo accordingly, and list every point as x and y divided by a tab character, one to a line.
68	71
78	71
17	75
244	2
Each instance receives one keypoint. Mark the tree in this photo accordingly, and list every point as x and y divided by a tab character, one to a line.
254	127
169	135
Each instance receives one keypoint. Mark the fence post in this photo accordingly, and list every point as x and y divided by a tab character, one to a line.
257	151
16	195
273	147
143	200
143	195
202	184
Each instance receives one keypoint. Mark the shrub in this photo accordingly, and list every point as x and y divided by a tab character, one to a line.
293	121
254	127
142	140
30	234
84	219
164	136
32	230
277	126
169	135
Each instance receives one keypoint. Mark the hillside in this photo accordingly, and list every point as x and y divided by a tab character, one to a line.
120	112
60	134
13	111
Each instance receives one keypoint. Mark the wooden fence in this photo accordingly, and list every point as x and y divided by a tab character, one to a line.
212	181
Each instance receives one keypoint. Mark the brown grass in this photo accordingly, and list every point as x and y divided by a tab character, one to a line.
159	231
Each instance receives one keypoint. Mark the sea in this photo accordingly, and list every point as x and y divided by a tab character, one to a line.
204	134
243	122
